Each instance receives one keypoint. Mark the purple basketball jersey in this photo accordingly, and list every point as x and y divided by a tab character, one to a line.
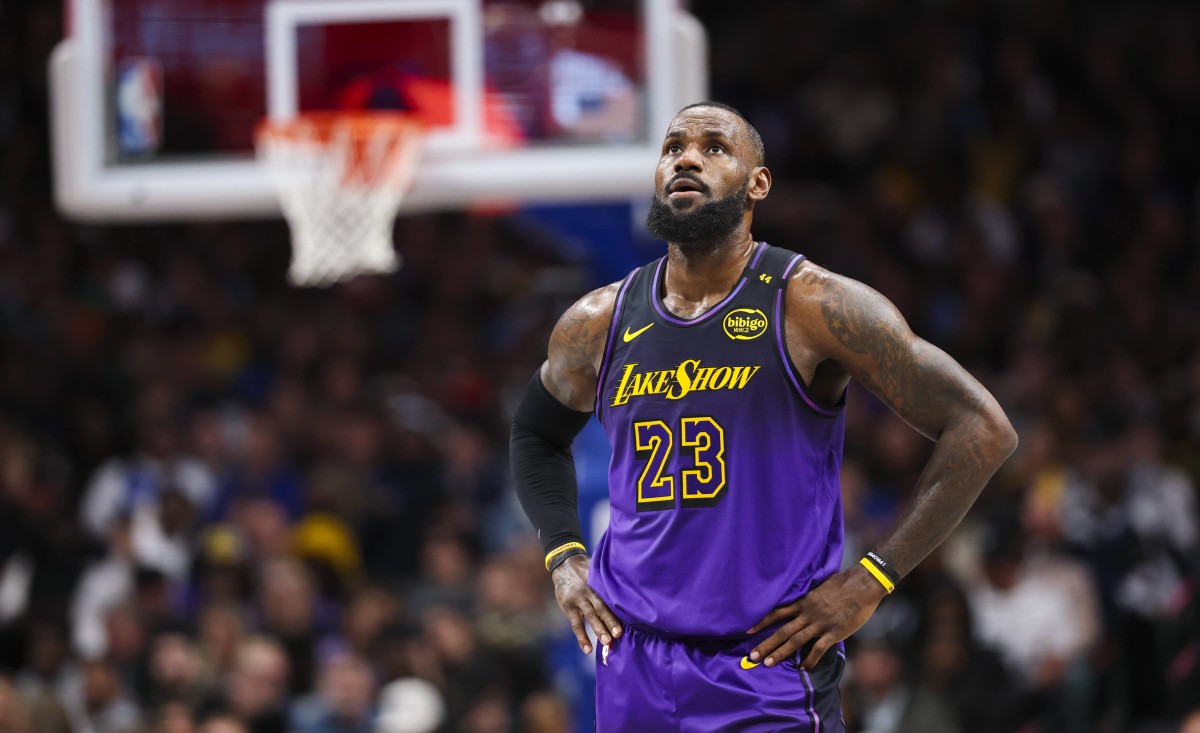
724	476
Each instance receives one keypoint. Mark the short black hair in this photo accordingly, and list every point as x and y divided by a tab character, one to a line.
756	141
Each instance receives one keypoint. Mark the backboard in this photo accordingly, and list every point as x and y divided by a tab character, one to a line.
155	102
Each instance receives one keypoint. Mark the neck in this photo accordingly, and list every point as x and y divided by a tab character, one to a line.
698	277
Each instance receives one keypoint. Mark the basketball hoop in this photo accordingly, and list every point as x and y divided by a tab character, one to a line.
340	179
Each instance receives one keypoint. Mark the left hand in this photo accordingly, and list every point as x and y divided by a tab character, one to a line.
827	614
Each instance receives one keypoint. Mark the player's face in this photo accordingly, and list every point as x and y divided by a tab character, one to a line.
703	180
705	156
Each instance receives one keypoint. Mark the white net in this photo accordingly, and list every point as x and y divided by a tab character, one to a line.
340	180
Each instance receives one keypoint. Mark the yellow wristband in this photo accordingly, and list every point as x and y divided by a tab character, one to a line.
563	548
884	580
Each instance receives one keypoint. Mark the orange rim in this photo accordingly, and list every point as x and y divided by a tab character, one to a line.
356	130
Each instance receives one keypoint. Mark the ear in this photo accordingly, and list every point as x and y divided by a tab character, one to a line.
760	184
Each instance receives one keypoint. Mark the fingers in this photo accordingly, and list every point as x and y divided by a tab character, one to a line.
590	610
772	642
601	630
607	616
581	636
818	651
783	643
770	618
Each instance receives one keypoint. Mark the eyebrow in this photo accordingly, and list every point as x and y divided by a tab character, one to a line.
677	134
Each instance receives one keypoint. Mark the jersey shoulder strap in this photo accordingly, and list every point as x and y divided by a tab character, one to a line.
772	269
640	293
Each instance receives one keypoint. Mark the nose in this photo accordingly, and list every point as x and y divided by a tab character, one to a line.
690	159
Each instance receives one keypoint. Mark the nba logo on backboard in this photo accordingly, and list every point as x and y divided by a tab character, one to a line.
139	106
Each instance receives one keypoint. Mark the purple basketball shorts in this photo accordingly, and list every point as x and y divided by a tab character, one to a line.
651	684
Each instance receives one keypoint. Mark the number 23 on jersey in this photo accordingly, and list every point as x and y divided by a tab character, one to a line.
700	441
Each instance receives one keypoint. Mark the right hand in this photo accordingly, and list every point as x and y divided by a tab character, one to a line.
579	602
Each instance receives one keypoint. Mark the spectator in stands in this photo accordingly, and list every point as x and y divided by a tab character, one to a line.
259	468
176	672
255	692
31	712
289	606
366	616
884	701
125	630
545	713
445	578
222	629
174	717
13	715
100	703
511	620
125	487
472	676
223	724
968	677
223	571
344	702
47	659
1053	601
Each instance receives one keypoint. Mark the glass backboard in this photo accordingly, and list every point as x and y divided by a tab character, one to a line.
155	102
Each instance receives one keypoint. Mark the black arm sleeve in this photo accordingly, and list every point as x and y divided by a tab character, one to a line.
542	465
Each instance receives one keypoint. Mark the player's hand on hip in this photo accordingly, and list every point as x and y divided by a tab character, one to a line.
579	603
828	614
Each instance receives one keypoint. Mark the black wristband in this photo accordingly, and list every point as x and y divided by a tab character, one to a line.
559	555
883	571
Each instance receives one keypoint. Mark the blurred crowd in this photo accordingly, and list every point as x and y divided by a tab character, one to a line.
1020	178
228	506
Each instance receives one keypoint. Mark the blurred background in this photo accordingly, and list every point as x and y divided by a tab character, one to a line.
232	506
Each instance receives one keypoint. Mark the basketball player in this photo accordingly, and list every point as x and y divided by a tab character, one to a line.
719	373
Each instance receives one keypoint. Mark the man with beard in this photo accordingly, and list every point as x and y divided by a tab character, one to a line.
719	373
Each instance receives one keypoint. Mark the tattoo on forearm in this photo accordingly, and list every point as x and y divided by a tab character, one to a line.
934	394
957	471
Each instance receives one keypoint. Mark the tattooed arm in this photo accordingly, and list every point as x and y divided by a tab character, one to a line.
570	373
835	321
572	366
865	335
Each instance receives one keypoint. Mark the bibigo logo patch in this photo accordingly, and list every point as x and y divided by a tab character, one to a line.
745	324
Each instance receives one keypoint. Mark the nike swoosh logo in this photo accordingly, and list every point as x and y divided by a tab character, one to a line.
631	336
747	664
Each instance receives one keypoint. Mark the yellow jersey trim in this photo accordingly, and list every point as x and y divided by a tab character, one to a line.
561	549
884	580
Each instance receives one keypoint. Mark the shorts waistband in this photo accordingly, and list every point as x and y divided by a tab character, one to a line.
838	648
700	638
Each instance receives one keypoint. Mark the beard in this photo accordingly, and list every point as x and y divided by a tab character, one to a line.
701	229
